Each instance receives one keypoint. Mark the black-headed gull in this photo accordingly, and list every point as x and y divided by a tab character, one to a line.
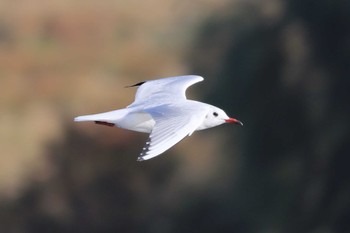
162	109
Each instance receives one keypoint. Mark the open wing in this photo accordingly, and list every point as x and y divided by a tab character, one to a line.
172	87
173	123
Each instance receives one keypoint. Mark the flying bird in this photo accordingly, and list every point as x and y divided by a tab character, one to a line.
161	109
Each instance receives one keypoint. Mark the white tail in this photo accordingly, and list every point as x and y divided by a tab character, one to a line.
110	117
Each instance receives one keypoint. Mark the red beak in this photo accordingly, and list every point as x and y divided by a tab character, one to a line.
234	121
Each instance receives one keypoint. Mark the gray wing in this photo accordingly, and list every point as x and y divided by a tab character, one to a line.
171	88
172	125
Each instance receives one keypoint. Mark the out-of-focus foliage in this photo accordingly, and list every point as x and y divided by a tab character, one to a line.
282	67
288	79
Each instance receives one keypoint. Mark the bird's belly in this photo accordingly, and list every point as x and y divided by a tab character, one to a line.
140	122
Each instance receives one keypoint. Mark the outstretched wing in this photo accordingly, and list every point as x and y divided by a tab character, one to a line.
173	123
172	87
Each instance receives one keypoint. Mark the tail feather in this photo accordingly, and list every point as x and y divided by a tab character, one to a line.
110	117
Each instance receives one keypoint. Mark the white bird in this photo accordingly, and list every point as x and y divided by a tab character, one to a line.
162	109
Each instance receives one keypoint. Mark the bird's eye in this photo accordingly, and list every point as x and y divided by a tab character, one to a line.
215	114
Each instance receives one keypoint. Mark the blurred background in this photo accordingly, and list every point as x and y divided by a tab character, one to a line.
280	66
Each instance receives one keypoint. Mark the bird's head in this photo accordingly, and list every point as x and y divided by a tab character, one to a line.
216	116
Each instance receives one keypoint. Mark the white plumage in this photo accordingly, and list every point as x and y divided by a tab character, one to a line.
162	109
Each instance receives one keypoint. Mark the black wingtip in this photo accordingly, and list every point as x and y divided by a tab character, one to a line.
140	159
137	84
144	151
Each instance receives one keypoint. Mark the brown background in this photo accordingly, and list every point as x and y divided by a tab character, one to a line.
281	67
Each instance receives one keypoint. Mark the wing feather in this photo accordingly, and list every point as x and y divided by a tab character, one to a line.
171	128
161	89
